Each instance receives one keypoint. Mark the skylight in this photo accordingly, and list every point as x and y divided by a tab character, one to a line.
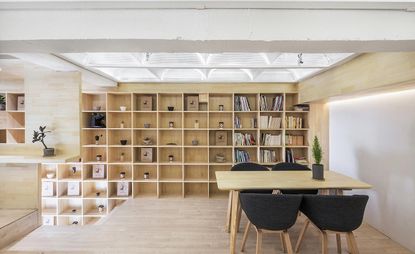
203	67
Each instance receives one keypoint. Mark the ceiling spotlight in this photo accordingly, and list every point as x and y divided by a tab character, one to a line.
148	56
300	59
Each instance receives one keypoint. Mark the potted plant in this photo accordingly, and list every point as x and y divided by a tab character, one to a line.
2	102
39	136
317	167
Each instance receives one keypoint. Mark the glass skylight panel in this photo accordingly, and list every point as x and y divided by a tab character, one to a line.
181	75
236	59
205	67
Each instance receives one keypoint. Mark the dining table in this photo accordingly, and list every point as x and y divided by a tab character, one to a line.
235	181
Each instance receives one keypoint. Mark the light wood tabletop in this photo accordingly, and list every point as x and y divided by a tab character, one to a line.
235	181
245	180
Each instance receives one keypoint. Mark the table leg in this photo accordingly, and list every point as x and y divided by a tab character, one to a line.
234	218
228	214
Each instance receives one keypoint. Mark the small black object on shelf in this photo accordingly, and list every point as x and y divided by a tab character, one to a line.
97	120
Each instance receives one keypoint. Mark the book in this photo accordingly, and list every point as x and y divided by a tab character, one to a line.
244	139
268	156
241	103
241	156
268	139
277	103
294	140
293	122
269	122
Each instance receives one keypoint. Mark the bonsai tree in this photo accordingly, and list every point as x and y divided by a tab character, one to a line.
39	136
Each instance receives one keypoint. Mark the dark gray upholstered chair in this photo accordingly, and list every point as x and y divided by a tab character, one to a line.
245	166
338	214
269	212
286	166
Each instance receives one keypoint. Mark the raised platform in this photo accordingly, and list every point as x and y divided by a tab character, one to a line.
16	223
193	225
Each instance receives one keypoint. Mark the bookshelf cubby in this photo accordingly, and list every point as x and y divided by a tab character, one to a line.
12	118
191	173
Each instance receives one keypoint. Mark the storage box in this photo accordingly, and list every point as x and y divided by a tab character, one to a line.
146	155
221	138
192	103
98	171
122	189
146	103
203	98
48	189
74	189
20	103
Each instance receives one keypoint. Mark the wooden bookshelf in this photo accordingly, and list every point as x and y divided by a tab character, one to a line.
191	141
12	118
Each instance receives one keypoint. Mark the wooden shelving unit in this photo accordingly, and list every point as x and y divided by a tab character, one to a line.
178	166
12	119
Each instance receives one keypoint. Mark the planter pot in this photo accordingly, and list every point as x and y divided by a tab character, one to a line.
48	152
318	171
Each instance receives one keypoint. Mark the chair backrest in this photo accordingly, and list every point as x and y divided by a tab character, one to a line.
249	166
282	166
336	213
270	211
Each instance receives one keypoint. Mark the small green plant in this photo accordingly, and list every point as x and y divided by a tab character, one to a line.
317	152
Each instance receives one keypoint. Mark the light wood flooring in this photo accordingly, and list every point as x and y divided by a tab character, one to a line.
179	226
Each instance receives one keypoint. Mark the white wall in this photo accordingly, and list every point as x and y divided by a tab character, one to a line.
373	139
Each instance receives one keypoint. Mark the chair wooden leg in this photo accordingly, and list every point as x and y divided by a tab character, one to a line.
228	214
288	242
248	225
238	222
339	243
324	243
352	243
301	237
258	241
284	247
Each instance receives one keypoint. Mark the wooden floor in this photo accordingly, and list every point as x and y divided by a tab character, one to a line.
8	216
178	226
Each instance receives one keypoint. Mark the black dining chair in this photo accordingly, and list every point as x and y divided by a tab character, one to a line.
270	213
244	166
335	214
287	166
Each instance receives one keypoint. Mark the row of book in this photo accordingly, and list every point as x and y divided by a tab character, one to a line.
277	103
268	156
241	156
294	140
293	122
241	103
268	139
291	157
238	123
269	122
244	139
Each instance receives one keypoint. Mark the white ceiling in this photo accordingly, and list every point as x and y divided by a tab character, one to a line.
204	67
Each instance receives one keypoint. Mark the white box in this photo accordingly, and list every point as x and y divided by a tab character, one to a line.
74	189
48	220
20	102
98	171
122	189
48	189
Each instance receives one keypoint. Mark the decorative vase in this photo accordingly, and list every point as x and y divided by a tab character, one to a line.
171	158
123	108
122	125
123	142
146	175
318	171
122	175
48	152
171	124
221	125
195	142
147	125
99	157
170	108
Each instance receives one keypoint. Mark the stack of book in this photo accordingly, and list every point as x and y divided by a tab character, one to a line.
244	139
292	158
270	139
277	103
241	103
269	122
268	156
293	122
241	156
294	140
